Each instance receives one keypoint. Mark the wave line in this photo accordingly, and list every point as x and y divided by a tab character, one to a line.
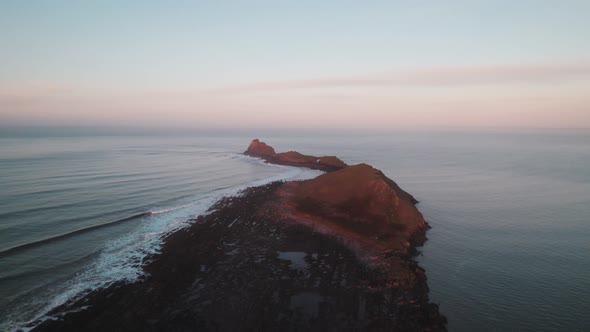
21	247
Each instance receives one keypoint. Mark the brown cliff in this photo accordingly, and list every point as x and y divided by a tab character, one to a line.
360	200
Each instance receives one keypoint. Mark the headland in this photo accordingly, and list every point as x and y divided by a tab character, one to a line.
328	254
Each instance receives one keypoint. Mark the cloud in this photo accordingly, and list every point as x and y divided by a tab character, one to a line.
33	89
434	76
340	102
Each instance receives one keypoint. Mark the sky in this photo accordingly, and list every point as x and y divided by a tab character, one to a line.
295	64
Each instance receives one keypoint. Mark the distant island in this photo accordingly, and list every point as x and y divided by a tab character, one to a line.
293	158
328	254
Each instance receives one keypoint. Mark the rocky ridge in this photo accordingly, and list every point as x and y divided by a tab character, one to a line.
328	254
293	158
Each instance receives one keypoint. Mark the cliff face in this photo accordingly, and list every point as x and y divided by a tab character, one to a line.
361	200
292	158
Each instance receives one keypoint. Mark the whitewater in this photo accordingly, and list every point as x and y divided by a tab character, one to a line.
42	271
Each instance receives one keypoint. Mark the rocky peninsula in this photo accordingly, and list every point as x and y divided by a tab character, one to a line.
334	253
293	158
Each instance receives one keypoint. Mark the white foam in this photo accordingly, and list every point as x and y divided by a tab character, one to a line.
254	160
122	259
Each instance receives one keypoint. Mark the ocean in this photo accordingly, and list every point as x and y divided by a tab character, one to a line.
509	248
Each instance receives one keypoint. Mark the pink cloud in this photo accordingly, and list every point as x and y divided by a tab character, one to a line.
434	76
355	101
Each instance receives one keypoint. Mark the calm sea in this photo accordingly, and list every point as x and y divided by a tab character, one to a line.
509	249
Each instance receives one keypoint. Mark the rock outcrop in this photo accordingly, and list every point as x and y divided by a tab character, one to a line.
357	203
292	158
259	149
362	201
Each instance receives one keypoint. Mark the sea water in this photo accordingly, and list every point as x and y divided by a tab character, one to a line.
508	251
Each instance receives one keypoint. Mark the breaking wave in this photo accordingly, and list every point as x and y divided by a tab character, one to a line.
122	258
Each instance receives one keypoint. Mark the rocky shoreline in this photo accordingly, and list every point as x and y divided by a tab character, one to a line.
319	255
